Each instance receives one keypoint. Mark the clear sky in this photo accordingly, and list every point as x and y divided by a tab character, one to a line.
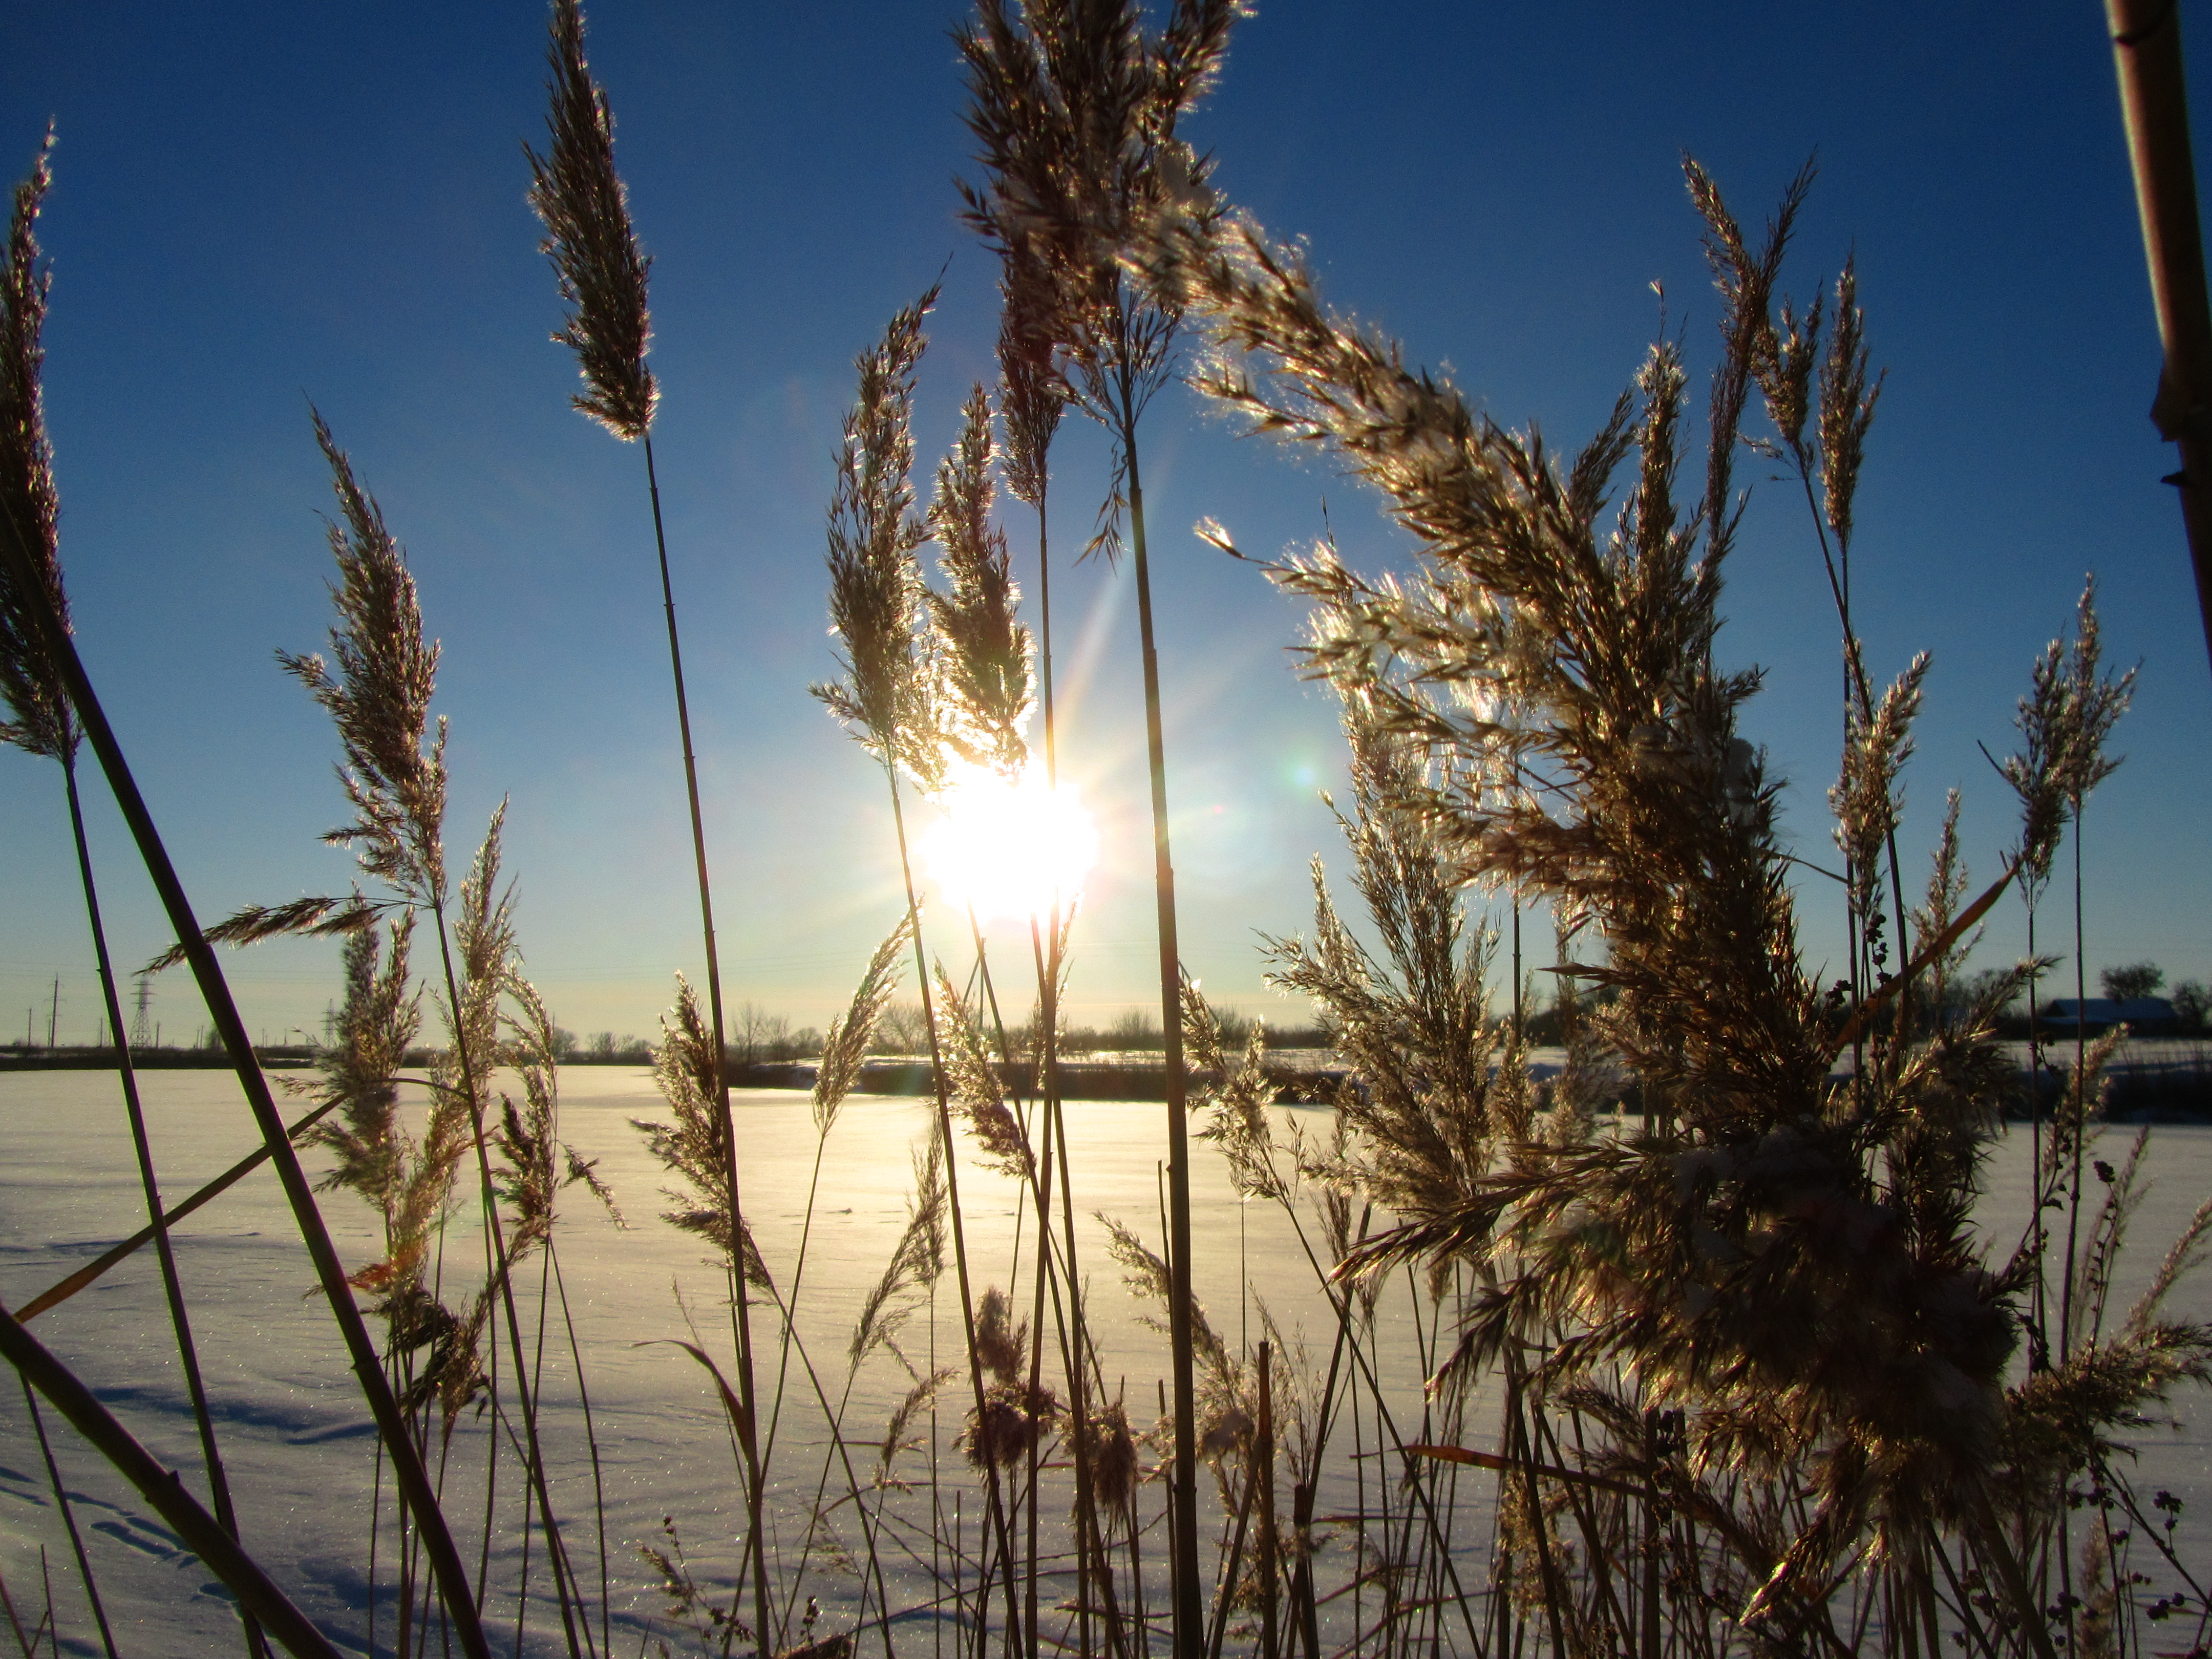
261	204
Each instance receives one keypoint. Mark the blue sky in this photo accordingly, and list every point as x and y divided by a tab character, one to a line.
259	205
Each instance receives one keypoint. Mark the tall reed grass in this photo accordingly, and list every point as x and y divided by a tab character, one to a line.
1688	1344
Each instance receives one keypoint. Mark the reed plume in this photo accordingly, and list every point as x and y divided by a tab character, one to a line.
379	695
1588	647
691	1145
987	660
40	720
887	698
575	190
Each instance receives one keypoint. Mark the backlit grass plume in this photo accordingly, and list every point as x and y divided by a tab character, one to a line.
876	590
377	1021
576	192
1742	1259
1074	109
691	1144
985	653
1414	1023
379	695
41	721
1032	396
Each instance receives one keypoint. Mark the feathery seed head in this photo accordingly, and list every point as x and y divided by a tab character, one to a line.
30	681
1847	404
877	596
2098	701
575	190
1032	396
377	1021
379	695
851	1032
973	1079
985	653
1074	108
1785	375
1866	798
2037	772
694	1147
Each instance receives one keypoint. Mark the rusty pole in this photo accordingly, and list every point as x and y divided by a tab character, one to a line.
2146	51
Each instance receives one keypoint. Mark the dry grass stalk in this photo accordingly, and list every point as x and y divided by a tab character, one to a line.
691	1146
40	720
984	652
576	191
379	695
1588	648
876	590
580	199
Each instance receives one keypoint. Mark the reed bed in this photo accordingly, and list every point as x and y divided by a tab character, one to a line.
1694	1346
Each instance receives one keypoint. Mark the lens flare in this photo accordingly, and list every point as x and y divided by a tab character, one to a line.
1005	848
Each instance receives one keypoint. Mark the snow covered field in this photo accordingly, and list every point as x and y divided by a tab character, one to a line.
296	1437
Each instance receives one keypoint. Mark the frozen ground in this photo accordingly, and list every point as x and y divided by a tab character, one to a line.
296	1437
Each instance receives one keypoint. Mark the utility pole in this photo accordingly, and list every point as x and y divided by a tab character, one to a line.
54	1014
2146	51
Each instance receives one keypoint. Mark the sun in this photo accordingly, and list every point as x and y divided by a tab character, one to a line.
1006	849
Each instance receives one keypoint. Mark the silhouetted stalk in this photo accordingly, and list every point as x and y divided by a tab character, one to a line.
1190	1613
200	1531
1040	1185
870	1531
590	1440
2040	1309
2080	1114
839	1450
172	1286
1048	964
1050	1273
495	1240
798	1278
741	1317
69	1520
222	1012
491	1454
62	1290
1230	1560
1269	1643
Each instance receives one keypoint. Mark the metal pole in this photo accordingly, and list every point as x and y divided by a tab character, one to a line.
2155	102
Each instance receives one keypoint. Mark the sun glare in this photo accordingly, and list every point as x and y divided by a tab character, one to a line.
1005	848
